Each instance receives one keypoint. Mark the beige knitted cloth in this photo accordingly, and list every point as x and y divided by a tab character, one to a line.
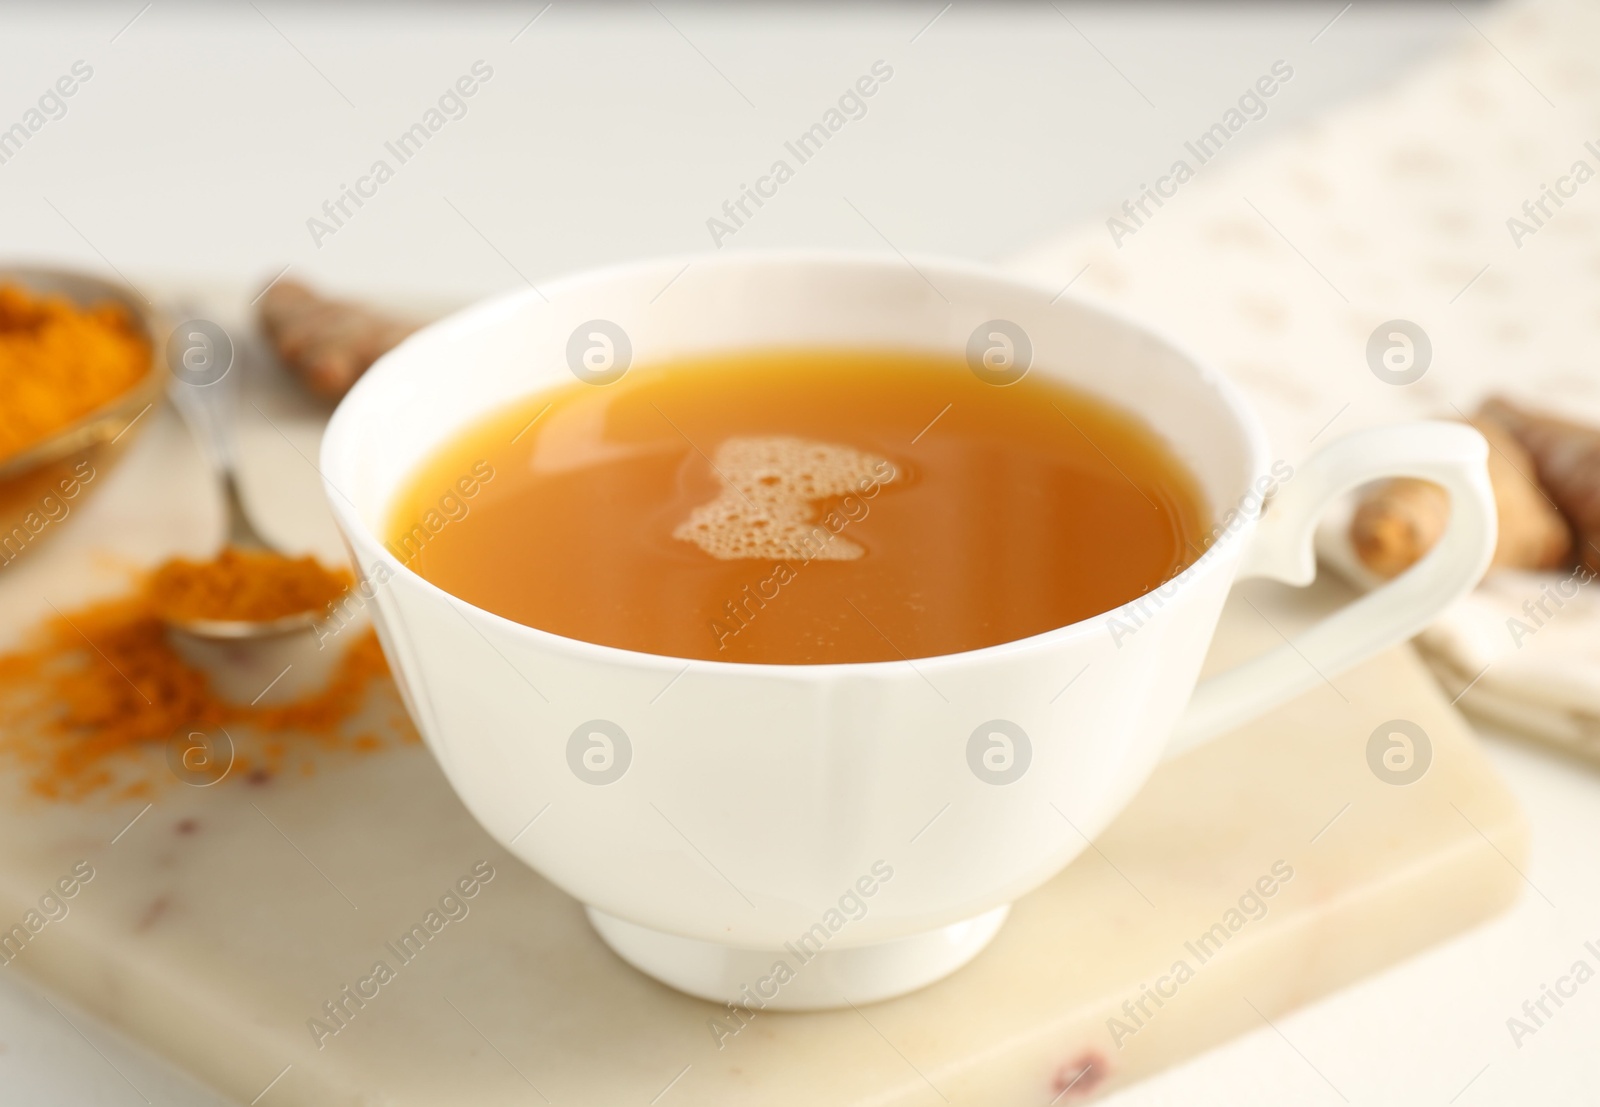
1465	200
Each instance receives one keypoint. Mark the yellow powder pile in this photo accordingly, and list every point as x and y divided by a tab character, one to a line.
244	585
95	689
59	362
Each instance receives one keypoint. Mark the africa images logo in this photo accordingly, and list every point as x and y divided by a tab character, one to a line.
1249	108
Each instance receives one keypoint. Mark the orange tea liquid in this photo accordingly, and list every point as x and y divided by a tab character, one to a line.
801	507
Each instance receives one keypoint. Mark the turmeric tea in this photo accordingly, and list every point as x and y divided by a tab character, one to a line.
59	362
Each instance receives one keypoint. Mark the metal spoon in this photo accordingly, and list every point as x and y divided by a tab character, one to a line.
208	408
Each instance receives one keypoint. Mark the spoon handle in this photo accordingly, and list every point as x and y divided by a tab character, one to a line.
209	411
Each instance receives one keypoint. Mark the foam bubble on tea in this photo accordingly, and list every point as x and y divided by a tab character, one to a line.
770	486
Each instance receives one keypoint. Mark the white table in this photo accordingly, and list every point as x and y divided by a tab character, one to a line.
205	140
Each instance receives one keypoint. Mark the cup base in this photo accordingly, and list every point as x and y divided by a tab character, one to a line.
829	978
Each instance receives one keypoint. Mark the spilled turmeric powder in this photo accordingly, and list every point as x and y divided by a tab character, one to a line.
59	362
91	701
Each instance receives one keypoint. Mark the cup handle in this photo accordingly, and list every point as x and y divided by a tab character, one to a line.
1449	454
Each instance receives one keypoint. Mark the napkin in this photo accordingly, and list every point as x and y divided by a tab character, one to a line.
1461	205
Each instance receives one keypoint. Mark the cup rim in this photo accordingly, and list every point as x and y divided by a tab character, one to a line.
346	414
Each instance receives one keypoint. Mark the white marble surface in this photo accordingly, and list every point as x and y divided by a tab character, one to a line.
212	137
1417	1033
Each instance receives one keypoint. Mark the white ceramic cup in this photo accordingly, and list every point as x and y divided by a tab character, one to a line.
793	836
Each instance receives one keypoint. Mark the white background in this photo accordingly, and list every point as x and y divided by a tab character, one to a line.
207	138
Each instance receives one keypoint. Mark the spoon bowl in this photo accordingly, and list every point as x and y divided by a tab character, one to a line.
256	668
242	630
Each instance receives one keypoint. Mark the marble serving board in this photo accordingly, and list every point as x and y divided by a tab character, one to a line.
221	921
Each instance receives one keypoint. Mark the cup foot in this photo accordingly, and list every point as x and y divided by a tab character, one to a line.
752	978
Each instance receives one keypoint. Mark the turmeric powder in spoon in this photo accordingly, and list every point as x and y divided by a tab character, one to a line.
241	585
